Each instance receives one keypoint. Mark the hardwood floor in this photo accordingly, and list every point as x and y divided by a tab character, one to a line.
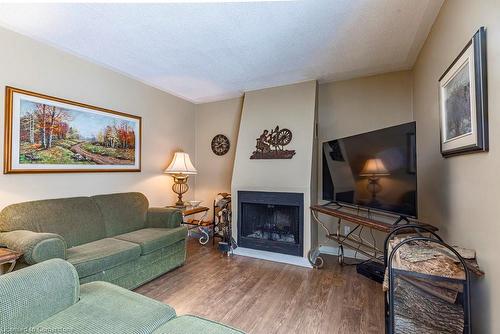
260	296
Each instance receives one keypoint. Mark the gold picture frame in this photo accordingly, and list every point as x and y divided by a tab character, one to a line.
47	134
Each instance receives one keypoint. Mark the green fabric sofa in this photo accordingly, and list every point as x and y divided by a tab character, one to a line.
48	298
115	238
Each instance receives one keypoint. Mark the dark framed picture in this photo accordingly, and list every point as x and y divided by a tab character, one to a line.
463	100
45	134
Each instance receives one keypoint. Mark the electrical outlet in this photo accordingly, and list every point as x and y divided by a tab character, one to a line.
347	230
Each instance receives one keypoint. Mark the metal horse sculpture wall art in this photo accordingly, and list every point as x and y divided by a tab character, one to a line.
270	145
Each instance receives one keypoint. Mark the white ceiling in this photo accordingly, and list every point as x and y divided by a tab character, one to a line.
207	51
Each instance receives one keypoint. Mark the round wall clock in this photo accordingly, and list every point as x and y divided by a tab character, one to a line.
220	144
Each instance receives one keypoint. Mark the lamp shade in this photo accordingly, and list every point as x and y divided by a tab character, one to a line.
374	167
181	164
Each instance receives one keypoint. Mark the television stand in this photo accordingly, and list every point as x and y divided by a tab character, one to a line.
355	239
401	219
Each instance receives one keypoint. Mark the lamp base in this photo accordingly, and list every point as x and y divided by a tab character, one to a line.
180	187
374	187
180	205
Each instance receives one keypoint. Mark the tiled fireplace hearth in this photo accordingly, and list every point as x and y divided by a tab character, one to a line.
271	221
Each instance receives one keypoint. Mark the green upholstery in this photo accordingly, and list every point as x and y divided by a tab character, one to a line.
164	217
101	255
107	309
85	230
122	213
151	239
30	295
77	220
47	298
36	247
143	269
189	324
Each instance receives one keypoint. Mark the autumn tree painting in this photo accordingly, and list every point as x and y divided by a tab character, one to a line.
53	135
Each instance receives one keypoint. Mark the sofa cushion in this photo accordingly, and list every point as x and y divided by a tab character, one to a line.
188	324
106	308
151	239
143	269
100	255
78	219
123	212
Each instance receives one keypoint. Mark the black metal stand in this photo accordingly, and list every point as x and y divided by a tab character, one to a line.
222	226
402	219
216	232
396	273
398	230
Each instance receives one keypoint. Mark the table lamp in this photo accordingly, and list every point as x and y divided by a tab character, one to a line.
180	168
374	169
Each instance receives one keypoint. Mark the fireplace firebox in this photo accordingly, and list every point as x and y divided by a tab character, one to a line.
271	221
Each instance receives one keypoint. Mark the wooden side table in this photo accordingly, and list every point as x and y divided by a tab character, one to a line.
197	223
8	256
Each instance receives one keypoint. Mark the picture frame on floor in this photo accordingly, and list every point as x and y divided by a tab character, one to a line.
463	100
46	134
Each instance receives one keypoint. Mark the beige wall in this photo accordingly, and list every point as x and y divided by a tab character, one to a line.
291	107
214	172
360	105
167	121
461	193
344	108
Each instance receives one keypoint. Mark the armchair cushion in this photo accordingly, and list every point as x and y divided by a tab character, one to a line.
100	255
106	308
164	217
36	247
34	294
151	239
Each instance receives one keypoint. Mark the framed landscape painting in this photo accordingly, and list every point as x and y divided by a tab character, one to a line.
464	100
45	134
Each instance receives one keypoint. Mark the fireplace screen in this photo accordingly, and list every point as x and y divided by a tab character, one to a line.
271	222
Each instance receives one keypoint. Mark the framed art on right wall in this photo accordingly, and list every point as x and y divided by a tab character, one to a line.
463	100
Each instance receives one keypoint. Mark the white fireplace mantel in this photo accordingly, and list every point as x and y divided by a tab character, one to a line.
292	107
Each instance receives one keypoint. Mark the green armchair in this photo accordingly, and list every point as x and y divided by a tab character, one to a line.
47	298
31	295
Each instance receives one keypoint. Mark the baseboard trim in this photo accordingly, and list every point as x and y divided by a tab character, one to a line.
349	253
296	260
271	256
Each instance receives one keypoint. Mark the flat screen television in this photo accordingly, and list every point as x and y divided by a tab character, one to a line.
376	170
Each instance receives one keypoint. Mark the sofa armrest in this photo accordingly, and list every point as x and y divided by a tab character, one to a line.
164	217
36	247
33	294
